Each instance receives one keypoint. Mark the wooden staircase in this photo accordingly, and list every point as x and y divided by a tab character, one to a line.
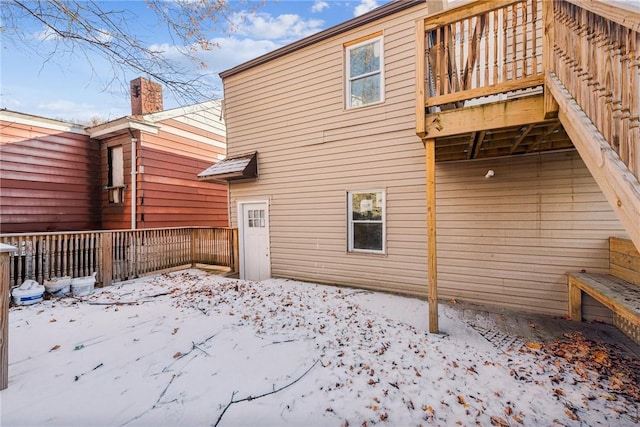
498	78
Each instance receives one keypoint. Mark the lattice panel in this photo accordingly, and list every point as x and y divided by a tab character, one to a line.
631	330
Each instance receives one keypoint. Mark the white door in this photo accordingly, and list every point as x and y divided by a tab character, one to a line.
254	261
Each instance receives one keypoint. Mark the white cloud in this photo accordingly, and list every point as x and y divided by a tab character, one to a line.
104	36
231	51
365	6
46	34
287	27
319	6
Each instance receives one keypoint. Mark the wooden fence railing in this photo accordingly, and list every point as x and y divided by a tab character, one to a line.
483	49
117	255
596	56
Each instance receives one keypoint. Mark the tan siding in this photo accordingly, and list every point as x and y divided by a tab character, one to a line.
508	241
48	179
312	151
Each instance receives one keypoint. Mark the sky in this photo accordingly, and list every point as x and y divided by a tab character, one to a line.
176	349
73	88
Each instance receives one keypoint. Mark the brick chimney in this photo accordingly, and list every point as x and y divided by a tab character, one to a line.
146	96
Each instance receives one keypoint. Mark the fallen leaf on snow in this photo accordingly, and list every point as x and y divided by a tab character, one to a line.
534	345
497	421
55	347
571	415
462	401
558	391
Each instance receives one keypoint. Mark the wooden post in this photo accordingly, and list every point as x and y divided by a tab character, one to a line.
550	104
194	231
575	301
421	75
430	157
4	314
107	258
236	251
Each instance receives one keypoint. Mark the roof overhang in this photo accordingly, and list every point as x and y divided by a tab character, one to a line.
119	126
44	122
232	169
388	9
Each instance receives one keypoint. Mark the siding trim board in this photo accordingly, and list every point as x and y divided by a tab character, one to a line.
42	122
120	126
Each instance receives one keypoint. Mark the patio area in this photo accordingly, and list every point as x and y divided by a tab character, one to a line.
195	348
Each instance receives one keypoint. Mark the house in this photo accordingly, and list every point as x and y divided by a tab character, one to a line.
59	176
345	126
48	175
170	147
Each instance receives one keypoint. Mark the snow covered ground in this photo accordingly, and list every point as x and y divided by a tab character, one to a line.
191	348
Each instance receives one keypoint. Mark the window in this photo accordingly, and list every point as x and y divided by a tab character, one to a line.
115	180
256	218
365	80
366	210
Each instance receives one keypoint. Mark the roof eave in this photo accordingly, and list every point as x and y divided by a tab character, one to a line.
376	14
119	126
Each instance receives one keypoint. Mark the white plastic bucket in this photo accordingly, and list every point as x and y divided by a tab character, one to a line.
58	286
30	292
81	286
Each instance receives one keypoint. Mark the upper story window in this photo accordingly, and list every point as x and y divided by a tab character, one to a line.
115	180
365	72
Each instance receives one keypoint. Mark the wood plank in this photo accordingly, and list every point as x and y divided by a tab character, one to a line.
623	246
432	259
494	89
575	300
515	112
624	260
106	264
421	76
4	315
463	11
621	297
625	14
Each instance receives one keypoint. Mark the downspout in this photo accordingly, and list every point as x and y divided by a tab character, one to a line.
134	179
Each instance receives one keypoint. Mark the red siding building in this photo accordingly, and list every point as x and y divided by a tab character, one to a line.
138	171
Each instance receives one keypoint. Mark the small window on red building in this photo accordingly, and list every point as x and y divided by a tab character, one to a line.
115	183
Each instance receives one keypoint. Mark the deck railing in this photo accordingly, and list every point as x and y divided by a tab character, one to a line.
483	49
596	56
489	47
117	255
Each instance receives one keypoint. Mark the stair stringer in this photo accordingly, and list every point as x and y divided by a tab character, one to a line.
619	185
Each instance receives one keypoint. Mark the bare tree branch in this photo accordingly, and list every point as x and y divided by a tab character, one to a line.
88	29
274	391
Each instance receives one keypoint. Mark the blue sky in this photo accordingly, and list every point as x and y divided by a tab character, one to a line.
77	89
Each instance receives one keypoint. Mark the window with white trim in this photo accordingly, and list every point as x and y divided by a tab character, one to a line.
364	77
366	210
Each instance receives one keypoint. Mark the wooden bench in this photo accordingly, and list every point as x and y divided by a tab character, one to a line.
619	290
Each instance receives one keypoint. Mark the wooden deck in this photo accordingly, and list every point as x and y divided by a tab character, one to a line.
517	77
